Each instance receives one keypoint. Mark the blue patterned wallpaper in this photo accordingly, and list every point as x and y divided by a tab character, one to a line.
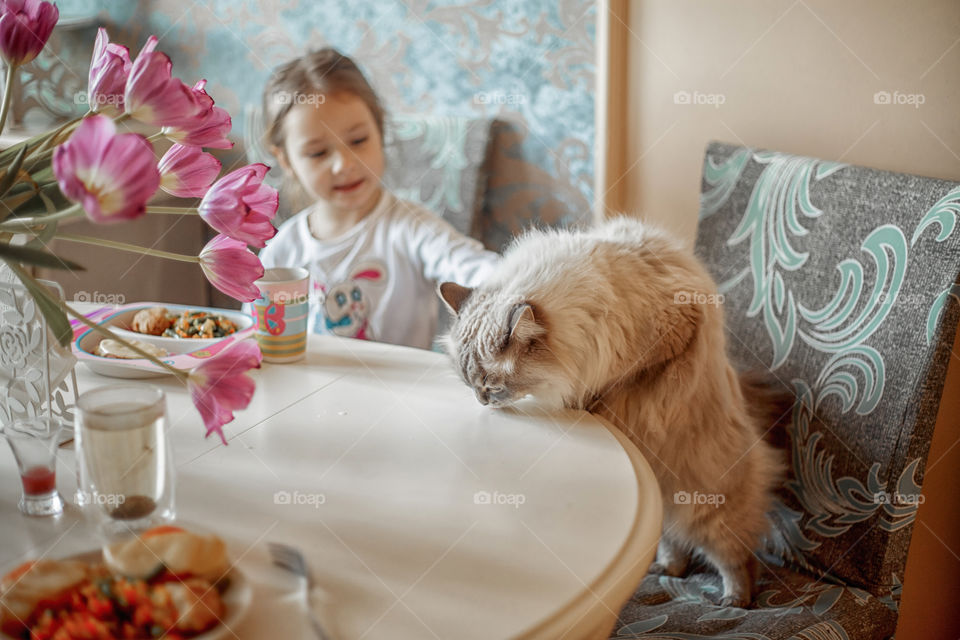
529	63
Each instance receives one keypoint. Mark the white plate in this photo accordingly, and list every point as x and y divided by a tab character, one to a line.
120	324
236	600
86	341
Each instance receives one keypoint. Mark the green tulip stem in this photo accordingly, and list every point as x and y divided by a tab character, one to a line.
19	224
123	246
7	94
180	211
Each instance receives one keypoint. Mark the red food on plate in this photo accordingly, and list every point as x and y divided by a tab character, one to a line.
72	600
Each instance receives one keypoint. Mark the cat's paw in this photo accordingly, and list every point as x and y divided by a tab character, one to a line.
734	601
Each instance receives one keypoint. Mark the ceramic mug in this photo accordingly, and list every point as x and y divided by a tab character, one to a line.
281	313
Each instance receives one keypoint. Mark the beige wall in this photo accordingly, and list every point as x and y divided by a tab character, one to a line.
793	75
797	76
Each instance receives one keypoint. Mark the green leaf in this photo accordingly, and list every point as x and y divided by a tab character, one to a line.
13	170
42	239
31	255
29	204
48	305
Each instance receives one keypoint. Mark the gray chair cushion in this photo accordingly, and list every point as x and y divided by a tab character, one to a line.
789	604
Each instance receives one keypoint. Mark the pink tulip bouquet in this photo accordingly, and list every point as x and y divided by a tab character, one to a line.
89	168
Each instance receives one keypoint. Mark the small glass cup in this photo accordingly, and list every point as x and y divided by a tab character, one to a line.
34	442
125	458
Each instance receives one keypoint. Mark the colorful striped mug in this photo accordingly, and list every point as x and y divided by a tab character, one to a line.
281	313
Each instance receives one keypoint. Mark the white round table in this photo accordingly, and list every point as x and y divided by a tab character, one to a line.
422	513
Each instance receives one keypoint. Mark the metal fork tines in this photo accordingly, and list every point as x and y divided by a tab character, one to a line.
291	559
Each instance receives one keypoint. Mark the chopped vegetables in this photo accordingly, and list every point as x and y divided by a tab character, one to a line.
107	607
200	325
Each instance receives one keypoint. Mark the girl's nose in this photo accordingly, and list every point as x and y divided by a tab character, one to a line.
342	160
338	162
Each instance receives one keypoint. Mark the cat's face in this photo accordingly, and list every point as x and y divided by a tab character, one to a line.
499	348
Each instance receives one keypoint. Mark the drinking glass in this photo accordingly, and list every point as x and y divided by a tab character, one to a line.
124	456
34	442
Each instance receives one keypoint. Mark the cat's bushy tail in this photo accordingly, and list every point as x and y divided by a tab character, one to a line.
769	402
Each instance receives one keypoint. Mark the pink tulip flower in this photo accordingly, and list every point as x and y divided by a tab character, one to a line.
220	386
109	70
187	172
112	175
241	206
211	127
152	96
25	27
231	267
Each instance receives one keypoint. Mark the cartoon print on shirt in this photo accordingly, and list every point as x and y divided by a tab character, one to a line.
345	307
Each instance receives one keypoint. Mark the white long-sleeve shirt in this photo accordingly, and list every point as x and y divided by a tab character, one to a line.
378	280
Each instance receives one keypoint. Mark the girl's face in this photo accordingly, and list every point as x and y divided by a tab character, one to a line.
333	147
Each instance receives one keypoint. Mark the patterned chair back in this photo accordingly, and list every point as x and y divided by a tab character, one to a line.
841	280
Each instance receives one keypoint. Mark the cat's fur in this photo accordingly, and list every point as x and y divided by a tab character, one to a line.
619	320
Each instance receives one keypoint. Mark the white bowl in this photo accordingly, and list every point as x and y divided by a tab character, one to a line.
120	324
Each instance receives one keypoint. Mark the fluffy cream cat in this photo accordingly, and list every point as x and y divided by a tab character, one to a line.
624	322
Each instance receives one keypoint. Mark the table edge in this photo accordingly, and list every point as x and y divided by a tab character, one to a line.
611	589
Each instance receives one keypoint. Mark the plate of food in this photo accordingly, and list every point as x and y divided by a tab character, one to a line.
177	334
168	582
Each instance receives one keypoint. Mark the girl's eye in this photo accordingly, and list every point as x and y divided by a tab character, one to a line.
318	154
359	141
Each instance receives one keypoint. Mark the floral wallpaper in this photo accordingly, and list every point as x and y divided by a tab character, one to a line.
527	63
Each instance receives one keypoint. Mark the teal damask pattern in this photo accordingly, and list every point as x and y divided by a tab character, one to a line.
839	280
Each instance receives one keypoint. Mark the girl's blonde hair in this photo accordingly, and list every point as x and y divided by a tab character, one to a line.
322	72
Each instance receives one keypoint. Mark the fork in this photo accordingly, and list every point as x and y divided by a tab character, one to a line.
291	559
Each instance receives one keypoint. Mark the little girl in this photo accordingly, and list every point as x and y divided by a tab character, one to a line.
373	259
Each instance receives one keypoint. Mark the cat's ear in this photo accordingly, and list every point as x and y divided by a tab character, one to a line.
453	295
523	324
